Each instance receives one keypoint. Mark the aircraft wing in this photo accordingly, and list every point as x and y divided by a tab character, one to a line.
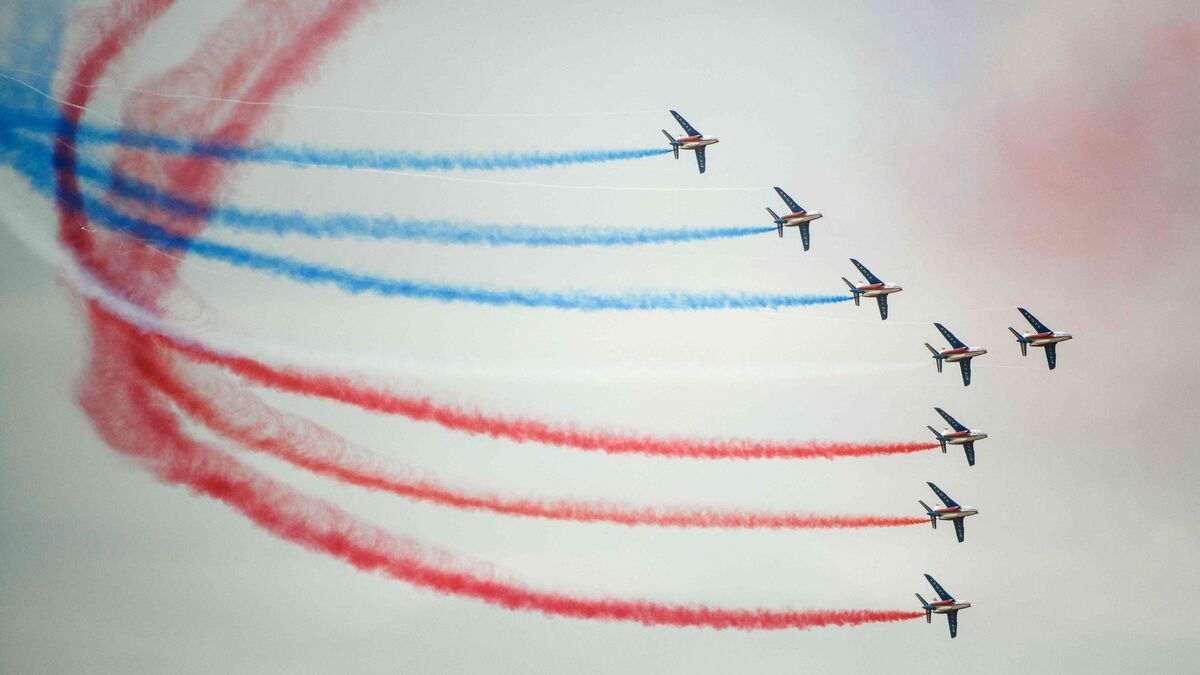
938	588
1051	356
942	495
700	158
882	306
954	342
969	448
950	420
691	130
966	372
1037	325
796	208
952	617
960	529
804	235
871	278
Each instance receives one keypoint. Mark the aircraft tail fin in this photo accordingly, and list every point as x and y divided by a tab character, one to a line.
929	511
936	355
674	143
928	609
854	290
940	437
1020	340
778	221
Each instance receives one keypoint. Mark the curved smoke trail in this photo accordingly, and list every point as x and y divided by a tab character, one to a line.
135	420
307	156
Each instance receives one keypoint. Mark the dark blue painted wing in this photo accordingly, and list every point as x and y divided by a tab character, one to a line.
796	208
969	448
700	158
966	372
871	278
1037	325
1051	356
882	306
804	235
691	130
954	342
952	617
938	588
942	495
960	529
954	424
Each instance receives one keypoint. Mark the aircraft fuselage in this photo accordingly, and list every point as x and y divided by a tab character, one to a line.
1047	338
954	512
799	217
962	353
876	290
947	606
697	141
963	437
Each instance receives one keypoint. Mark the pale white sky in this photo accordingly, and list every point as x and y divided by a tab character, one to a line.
880	115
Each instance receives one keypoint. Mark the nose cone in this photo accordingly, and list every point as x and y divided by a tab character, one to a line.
982	351
1067	336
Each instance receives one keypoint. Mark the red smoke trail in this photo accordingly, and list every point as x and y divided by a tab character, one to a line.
229	410
345	390
135	420
132	419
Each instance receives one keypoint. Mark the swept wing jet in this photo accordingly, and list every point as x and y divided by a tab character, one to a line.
951	511
694	140
956	353
797	218
945	604
958	434
1044	337
873	287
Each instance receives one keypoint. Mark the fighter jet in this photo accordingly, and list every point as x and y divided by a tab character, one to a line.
693	141
946	604
797	218
957	353
958	434
952	511
1044	337
872	288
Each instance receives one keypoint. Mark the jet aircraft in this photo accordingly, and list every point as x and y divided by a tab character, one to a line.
1044	337
693	141
945	604
872	288
951	511
958	434
797	218
957	353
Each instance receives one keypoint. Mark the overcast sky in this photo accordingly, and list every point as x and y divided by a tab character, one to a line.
983	155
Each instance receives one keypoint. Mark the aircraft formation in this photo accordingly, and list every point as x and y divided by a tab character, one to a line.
958	352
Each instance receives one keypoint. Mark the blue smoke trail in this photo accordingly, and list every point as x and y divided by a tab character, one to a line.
31	160
331	158
408	229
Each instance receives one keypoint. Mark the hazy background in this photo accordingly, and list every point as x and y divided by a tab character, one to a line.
983	156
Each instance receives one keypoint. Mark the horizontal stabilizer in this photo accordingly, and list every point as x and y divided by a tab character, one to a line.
940	437
937	356
674	143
